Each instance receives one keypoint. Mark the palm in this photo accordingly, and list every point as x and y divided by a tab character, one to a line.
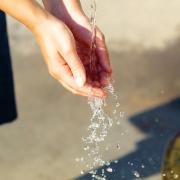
96	67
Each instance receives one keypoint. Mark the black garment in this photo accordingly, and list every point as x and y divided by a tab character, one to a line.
7	99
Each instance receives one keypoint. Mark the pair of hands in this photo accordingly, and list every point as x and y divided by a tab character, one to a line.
65	41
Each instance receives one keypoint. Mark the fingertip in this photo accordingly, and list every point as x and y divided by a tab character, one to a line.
109	69
98	92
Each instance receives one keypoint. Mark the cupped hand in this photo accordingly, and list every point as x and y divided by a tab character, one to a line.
98	69
58	46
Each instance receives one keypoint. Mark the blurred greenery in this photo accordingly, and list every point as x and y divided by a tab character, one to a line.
171	168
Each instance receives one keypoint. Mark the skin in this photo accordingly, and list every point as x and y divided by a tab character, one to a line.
64	35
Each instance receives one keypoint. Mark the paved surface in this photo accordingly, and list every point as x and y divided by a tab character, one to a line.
45	140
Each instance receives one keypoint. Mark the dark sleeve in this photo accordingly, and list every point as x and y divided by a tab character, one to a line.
7	99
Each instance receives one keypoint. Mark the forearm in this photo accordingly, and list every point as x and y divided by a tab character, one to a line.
63	6
28	12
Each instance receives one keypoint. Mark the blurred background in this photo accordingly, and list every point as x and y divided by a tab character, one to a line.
144	43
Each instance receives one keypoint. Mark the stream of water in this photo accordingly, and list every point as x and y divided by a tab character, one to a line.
101	121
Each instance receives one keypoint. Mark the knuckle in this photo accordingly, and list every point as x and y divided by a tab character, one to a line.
54	72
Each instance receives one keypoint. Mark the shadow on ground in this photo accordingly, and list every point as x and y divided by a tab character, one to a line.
160	124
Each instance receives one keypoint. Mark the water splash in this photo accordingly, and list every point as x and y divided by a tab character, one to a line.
98	130
100	121
93	37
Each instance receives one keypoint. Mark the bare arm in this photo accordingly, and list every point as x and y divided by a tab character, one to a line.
28	12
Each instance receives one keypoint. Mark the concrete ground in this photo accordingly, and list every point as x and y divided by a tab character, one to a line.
144	43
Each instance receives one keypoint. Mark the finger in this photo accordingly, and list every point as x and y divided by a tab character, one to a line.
65	85
92	91
104	78
62	73
69	53
102	52
86	90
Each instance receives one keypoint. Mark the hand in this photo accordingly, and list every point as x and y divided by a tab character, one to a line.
59	49
56	42
98	72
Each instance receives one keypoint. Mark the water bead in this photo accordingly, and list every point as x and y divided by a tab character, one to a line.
77	159
121	114
109	170
118	104
136	174
176	176
107	163
86	148
118	146
101	122
118	123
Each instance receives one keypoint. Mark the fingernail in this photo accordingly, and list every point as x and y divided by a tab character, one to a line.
79	81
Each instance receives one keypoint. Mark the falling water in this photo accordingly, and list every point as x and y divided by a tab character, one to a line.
101	121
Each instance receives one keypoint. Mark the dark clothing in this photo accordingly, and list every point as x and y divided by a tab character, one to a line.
7	99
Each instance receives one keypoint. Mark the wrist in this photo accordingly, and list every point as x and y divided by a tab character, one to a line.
40	19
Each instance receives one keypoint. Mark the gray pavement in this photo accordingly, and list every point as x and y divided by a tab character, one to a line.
45	140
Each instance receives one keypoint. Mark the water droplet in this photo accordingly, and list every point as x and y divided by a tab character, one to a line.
176	176
82	172
77	159
118	146
121	114
114	112
86	148
163	174
115	97
116	161
118	123
107	163
109	170
118	104
142	165
136	174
